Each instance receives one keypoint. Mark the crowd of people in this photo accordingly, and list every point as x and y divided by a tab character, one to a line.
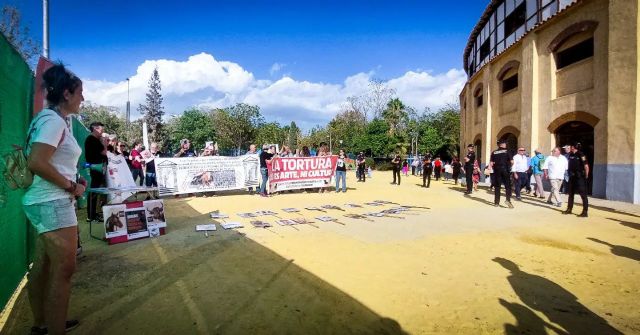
566	173
53	154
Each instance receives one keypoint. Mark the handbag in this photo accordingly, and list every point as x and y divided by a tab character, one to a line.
16	168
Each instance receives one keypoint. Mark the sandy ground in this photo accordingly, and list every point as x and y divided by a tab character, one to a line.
460	267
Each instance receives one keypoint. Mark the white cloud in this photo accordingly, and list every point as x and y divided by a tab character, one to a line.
275	68
205	81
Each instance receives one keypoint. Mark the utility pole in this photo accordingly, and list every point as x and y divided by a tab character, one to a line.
128	106
45	28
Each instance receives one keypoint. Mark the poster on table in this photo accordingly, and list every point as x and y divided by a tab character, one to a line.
206	174
134	220
293	173
118	176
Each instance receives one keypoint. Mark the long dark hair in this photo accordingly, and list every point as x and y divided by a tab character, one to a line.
56	80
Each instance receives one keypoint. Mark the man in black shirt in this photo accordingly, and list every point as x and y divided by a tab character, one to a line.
578	175
427	170
265	159
361	166
396	169
469	159
501	162
95	153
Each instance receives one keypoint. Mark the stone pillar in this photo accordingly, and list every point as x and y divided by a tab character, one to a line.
623	161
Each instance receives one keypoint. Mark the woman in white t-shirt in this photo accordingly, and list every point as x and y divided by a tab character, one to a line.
49	201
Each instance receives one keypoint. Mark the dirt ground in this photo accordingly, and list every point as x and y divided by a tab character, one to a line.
460	267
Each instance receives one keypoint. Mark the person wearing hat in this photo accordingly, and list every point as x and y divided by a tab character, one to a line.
501	162
185	149
578	175
469	159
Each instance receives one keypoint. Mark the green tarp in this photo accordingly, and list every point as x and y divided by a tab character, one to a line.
16	99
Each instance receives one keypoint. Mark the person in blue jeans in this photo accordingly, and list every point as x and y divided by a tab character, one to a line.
265	158
341	172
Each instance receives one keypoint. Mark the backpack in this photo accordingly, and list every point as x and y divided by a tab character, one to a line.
16	169
541	163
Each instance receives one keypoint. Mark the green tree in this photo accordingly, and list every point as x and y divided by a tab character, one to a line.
270	133
18	36
396	116
195	125
375	140
293	135
107	115
153	110
346	126
236	125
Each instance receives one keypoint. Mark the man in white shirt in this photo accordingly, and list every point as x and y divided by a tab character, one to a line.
519	169
554	169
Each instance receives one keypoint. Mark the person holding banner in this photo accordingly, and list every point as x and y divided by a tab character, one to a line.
185	149
48	203
341	172
265	158
150	164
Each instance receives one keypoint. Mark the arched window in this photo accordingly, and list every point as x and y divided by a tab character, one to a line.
478	96
573	44
508	76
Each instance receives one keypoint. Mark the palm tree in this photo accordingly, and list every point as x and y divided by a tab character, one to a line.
395	114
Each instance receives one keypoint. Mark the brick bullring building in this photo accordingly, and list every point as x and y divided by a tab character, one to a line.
544	73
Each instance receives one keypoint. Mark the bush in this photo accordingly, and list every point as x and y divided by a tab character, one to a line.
385	166
370	162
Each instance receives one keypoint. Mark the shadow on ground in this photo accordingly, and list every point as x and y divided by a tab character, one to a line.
184	283
627	223
559	305
620	250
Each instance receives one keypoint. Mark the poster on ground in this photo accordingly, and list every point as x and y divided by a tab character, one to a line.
293	173
134	220
206	174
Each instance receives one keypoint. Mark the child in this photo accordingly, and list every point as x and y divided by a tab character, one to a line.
475	177
405	168
369	172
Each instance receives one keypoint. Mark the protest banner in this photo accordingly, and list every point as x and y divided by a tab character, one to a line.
118	176
206	174
293	173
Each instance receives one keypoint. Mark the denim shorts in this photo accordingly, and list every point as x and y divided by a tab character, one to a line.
52	215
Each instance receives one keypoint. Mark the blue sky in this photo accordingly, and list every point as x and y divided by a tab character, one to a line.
322	42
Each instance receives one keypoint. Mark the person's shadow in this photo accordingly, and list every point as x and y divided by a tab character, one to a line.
559	305
527	322
620	250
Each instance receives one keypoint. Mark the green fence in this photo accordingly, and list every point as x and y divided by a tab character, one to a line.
16	99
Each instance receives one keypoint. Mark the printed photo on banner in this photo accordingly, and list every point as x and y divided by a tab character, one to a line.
206	174
114	221
155	214
292	173
136	219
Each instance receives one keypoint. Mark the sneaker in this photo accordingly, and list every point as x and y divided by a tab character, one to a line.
69	326
559	204
509	204
550	202
519	198
496	205
583	215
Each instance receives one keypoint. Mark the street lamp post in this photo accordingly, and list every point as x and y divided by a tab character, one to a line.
45	28
128	105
